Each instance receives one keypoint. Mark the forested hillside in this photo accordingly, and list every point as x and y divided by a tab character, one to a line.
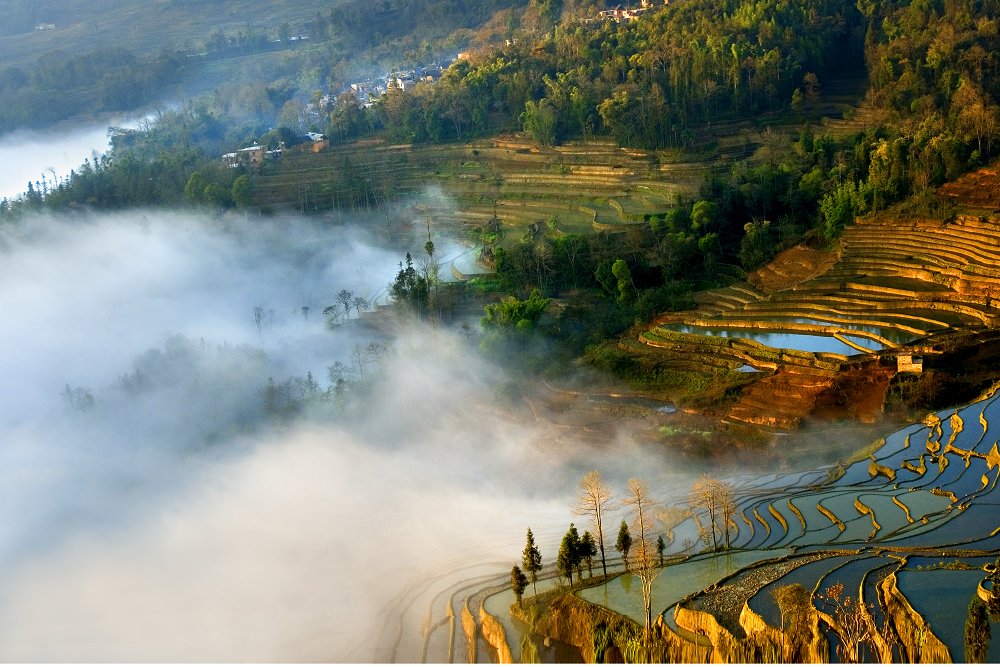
69	58
680	78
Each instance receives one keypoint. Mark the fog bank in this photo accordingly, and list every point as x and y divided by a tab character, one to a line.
173	517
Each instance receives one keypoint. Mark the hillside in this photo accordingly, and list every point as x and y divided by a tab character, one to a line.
896	286
143	28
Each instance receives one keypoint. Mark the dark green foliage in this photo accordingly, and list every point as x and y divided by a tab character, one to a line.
62	85
672	296
531	558
410	289
993	603
539	120
568	557
977	632
624	542
624	286
515	314
757	244
588	550
242	191
661	546
518	582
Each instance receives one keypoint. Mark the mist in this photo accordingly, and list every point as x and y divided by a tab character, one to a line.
154	510
28	155
31	155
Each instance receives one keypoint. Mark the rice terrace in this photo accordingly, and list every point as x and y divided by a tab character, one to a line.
508	331
896	542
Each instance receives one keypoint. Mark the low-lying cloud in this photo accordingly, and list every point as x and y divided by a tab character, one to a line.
171	517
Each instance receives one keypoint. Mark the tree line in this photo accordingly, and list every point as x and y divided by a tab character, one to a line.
641	555
648	83
63	85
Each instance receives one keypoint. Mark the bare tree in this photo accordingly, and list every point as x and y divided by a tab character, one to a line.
593	500
331	314
645	565
645	562
860	637
361	304
727	507
795	605
717	500
258	317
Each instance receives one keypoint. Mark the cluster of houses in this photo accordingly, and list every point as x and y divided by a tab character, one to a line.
367	91
254	156
620	14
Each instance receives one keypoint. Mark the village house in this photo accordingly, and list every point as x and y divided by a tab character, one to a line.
404	81
907	363
251	156
619	13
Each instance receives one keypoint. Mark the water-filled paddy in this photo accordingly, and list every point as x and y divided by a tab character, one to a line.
498	606
890	334
908	515
805	575
942	598
781	340
624	593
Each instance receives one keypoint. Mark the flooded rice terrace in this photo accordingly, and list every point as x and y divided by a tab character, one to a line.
912	526
201	460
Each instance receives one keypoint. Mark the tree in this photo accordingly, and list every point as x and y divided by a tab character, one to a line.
812	89
625	287
410	289
859	638
645	567
518	582
796	607
757	245
242	191
644	564
716	499
360	304
569	553
838	208
194	189
624	542
346	299
977	631
588	549
514	314
539	120
641	502
531	560
661	546
593	500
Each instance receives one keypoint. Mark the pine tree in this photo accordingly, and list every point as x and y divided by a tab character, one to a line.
518	582
531	560
569	550
661	546
588	549
624	542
